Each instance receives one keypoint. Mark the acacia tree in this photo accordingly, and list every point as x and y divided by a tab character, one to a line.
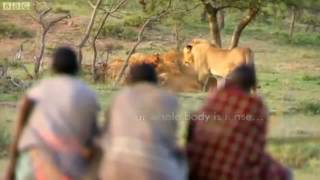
311	19
87	33
252	12
154	15
180	9
213	7
296	7
114	7
46	24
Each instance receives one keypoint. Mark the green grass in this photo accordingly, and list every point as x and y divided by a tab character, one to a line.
134	20
298	155
310	108
117	30
288	72
4	140
6	118
13	31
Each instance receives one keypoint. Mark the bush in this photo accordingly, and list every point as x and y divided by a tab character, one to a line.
310	78
298	155
10	63
4	138
310	108
134	21
118	31
61	10
12	31
306	39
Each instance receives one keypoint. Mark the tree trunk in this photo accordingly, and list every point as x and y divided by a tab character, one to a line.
94	60
307	28
45	27
204	16
314	28
221	19
88	30
143	5
177	36
241	26
4	69
95	37
40	55
214	27
133	49
139	40
293	20
107	58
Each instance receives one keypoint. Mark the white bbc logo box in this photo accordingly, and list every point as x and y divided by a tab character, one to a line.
16	6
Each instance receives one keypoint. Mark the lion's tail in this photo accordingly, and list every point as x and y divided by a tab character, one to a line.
250	62
250	57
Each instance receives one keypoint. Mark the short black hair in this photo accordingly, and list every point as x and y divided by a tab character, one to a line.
64	61
244	76
142	73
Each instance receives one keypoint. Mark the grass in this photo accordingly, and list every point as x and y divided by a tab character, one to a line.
117	30
13	31
134	20
4	140
297	155
310	108
6	119
311	78
288	72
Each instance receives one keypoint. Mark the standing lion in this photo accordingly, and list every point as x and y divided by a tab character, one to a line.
208	59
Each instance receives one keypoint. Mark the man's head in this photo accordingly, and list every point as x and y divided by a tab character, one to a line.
142	73
243	76
64	61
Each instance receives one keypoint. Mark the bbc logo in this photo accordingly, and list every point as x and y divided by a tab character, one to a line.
16	6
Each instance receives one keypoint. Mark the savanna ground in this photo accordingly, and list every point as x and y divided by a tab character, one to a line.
288	72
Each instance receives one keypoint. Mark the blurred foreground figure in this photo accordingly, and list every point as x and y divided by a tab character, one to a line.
229	143
56	125
140	139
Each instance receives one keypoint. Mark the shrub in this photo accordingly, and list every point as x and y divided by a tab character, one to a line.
298	155
4	138
61	10
12	31
306	39
310	78
310	108
134	21
118	31
298	39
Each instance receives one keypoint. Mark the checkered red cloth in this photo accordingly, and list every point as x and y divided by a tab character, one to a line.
230	145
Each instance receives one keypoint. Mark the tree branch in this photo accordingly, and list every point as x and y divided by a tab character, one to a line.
45	28
104	19
58	19
230	6
88	30
241	26
139	40
181	10
45	12
91	4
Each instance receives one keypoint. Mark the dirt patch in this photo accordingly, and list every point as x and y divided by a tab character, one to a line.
298	66
8	104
